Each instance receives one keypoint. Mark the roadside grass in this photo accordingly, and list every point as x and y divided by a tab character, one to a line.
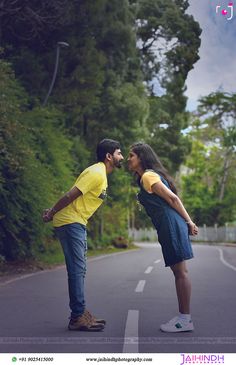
51	256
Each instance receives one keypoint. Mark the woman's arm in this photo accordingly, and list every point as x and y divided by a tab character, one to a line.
174	201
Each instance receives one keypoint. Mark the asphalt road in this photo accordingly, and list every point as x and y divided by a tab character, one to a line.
135	293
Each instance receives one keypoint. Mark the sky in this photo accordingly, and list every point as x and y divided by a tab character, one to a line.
216	68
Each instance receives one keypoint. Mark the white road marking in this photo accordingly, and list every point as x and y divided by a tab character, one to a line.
148	270
131	332
157	261
140	286
224	261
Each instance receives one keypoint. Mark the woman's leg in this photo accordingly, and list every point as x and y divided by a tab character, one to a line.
183	321
183	286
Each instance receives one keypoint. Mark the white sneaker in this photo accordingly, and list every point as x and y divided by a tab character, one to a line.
177	325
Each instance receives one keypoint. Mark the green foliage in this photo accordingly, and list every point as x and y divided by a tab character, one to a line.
102	89
169	40
35	167
208	186
124	110
165	136
198	191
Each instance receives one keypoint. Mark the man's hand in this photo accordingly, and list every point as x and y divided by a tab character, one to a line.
47	215
69	197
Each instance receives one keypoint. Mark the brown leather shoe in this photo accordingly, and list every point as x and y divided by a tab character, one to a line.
83	323
94	319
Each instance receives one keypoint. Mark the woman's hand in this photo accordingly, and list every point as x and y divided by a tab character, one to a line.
174	201
193	229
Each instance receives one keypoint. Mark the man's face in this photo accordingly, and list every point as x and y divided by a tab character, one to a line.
117	158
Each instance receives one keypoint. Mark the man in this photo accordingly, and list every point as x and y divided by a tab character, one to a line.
70	215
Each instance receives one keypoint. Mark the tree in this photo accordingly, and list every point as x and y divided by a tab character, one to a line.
220	111
169	40
28	21
102	89
208	186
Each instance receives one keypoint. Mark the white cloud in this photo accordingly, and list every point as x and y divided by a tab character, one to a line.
216	68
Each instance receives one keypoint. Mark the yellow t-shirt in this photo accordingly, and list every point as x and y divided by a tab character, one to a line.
148	179
92	182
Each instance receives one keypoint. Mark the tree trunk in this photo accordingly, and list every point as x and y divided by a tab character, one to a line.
224	177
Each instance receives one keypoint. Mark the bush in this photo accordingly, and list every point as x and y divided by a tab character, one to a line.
35	168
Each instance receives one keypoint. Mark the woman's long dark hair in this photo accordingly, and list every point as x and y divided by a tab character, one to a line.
150	161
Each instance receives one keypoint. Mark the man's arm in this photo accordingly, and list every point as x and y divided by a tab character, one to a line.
68	198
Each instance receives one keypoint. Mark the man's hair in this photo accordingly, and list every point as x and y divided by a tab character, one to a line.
106	146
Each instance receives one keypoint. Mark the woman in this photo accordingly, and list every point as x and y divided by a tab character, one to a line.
159	197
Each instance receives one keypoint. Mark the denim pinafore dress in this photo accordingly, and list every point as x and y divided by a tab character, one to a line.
172	229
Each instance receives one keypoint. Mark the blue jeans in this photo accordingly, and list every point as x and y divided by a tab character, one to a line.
73	238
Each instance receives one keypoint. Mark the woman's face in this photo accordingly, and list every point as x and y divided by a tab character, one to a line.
134	162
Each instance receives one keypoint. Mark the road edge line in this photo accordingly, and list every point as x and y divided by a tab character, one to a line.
224	261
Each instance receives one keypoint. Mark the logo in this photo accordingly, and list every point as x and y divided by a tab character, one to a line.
228	13
103	195
202	359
